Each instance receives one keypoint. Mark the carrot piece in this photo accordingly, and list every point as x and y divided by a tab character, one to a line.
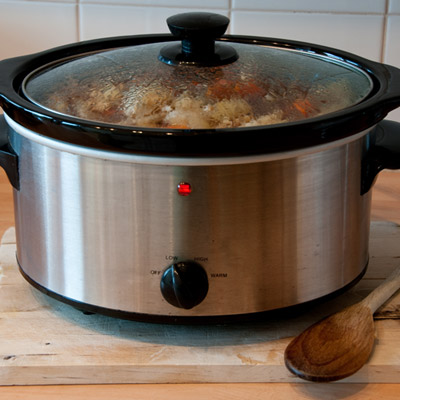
303	106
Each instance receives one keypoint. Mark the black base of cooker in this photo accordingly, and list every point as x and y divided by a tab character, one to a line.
195	320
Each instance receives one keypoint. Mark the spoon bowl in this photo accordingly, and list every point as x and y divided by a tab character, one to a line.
340	344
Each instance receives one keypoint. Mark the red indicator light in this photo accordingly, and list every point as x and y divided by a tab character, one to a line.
184	189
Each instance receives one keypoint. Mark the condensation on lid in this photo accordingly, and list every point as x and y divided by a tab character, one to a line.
130	86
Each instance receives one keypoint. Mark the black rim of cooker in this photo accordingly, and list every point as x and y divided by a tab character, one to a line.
384	97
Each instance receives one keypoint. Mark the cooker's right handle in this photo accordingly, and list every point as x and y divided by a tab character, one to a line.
383	153
8	159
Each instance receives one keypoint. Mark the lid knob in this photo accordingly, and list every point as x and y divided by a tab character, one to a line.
198	31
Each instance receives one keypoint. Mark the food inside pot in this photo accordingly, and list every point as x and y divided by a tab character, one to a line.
256	90
226	104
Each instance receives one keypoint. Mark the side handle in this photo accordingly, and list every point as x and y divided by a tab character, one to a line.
383	153
8	159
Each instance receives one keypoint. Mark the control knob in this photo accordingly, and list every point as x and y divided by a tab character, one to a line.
184	284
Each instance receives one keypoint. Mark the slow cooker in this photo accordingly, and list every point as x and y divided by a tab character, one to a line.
194	176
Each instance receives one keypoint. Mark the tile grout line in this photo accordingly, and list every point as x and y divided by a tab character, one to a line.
230	8
384	31
230	13
125	4
78	20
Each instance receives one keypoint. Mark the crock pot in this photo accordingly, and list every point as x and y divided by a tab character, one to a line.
178	214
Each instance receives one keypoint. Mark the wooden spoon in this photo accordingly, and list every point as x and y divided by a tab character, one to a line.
339	345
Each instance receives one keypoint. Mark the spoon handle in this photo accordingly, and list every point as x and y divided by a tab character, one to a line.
383	292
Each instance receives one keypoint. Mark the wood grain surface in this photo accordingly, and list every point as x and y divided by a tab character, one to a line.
230	391
386	199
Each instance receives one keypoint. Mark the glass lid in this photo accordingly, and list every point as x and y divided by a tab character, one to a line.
197	82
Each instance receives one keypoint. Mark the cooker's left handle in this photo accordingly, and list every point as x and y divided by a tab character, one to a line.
8	159
383	153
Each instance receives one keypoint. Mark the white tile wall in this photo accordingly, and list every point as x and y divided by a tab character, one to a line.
196	4
366	27
370	28
340	6
30	26
392	48
360	34
394	6
115	20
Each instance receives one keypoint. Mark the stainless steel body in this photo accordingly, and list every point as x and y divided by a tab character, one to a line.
270	232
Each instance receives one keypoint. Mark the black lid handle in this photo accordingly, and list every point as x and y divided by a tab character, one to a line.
8	158
383	152
198	31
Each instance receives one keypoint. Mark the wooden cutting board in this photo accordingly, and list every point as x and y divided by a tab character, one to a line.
43	341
